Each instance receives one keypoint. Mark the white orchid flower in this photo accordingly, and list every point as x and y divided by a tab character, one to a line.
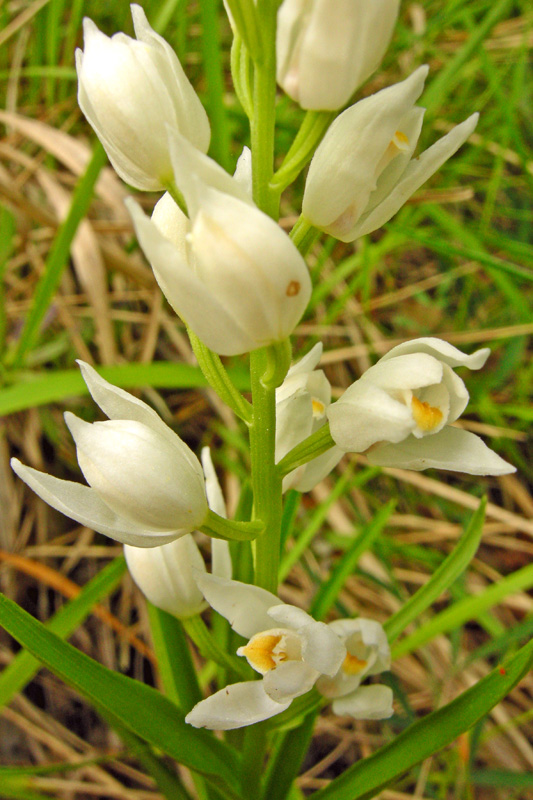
302	401
230	272
368	653
130	90
166	575
363	170
292	652
403	407
146	487
326	50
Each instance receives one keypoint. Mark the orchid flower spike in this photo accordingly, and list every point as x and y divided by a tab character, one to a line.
402	409
146	487
292	652
166	575
302	401
229	272
363	170
326	50
130	90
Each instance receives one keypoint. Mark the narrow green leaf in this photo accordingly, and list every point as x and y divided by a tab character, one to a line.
24	666
39	388
284	764
442	578
369	776
176	669
328	592
142	709
59	253
214	72
466	609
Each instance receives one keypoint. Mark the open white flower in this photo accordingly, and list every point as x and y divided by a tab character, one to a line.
363	170
403	407
367	653
146	487
292	652
130	90
230	272
302	401
326	50
166	575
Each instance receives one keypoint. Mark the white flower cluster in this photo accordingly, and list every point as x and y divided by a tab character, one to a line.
239	283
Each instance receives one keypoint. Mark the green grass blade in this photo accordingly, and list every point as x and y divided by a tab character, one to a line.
59	254
39	388
214	73
142	709
445	575
365	779
465	610
24	666
328	592
284	765
176	669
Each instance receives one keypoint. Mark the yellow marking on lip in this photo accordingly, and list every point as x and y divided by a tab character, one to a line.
259	652
401	138
426	417
318	407
353	665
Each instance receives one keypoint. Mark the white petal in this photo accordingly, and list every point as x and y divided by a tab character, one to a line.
367	702
317	469
187	160
309	362
417	173
236	706
342	174
368	416
118	404
140	474
243	171
322	650
410	371
83	505
215	498
289	616
186	293
244	606
443	351
165	575
289	680
294	422
452	448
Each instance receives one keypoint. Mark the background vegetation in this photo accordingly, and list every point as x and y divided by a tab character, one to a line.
455	262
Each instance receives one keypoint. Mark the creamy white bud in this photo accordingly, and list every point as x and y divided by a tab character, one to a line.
403	407
130	90
146	486
363	171
302	401
229	272
326	50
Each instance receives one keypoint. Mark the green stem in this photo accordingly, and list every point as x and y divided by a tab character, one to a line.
209	647
264	117
217	377
312	129
304	235
231	530
266	480
319	442
177	196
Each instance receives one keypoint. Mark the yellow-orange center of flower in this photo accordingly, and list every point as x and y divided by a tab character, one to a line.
260	652
401	138
318	407
353	665
426	417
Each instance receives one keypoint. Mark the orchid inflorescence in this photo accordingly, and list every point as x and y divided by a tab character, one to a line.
241	285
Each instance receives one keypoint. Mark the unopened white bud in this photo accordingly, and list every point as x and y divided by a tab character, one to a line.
130	90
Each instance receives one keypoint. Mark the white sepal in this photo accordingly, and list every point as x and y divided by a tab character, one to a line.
244	606
363	170
235	706
367	702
